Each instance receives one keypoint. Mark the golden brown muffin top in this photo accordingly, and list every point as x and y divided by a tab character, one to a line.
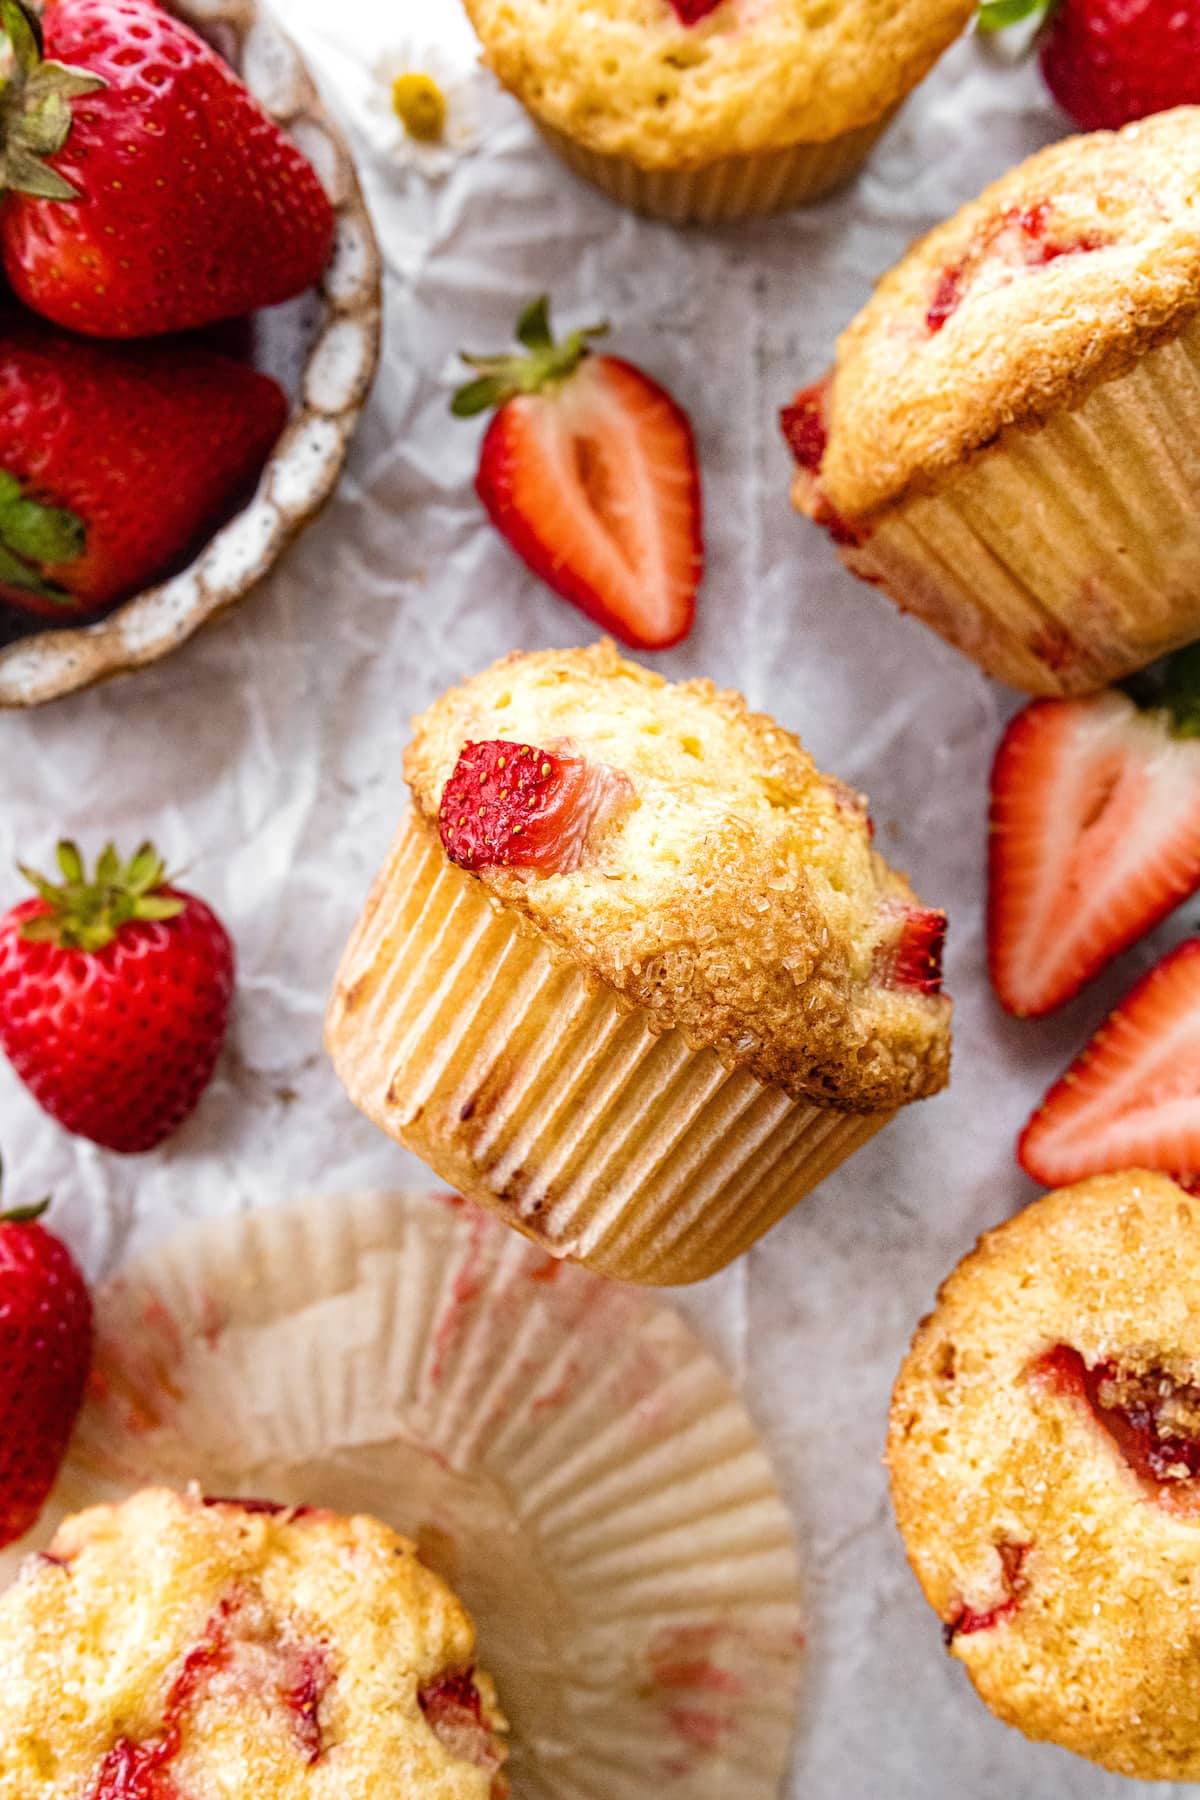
210	1649
627	77
1058	277
735	895
1044	1449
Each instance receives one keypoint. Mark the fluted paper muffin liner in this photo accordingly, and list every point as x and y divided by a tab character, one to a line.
1066	556
563	1450
526	1083
731	188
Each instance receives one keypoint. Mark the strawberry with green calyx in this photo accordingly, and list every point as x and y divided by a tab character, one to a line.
34	536
146	190
45	1354
115	992
35	105
588	470
116	461
1108	62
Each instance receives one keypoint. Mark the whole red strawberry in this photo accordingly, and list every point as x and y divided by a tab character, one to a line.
148	191
115	460
45	1354
114	997
1110	61
589	470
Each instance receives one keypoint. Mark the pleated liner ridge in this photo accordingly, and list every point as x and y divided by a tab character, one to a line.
733	187
1064	556
524	1082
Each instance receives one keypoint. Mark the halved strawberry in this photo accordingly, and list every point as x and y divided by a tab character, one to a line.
589	471
1131	1099
1095	835
509	804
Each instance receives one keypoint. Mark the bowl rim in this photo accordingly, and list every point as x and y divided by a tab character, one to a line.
306	463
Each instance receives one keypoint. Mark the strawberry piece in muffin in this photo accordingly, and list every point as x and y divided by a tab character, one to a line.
1153	1419
453	1706
512	805
805	426
1020	239
912	957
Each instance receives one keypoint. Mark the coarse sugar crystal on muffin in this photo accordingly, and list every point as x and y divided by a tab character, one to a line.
714	109
1009	443
171	1646
683	989
1045	1465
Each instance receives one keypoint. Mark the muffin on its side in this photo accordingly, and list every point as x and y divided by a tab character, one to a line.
1009	443
1045	1465
177	1645
714	109
633	973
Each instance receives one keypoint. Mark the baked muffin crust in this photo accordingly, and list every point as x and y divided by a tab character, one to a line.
627	77
736	897
1045	1438
216	1650
1059	277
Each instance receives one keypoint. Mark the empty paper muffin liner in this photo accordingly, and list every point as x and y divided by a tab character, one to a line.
526	1083
1067	555
562	1450
733	187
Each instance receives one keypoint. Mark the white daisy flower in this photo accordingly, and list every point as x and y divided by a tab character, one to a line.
425	107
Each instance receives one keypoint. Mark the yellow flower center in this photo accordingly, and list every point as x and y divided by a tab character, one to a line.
420	105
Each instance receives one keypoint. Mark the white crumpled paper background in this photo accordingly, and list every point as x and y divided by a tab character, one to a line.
264	758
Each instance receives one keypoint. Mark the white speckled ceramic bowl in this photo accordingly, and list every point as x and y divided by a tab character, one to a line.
324	348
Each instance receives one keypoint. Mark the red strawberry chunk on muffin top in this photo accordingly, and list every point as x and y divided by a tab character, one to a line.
1153	1420
242	1644
513	805
1020	239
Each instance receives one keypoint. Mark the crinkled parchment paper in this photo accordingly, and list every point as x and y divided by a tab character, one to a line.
265	760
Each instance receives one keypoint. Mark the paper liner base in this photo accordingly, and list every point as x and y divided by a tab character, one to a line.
561	1449
733	187
522	1080
1066	556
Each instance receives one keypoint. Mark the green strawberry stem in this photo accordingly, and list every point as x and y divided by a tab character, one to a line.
32	534
22	1215
995	15
35	105
548	364
1171	686
85	914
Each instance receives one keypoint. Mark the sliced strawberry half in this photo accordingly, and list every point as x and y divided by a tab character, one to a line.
1095	837
513	805
589	471
1131	1099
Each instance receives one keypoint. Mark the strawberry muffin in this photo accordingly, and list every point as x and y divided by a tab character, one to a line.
1009	443
1045	1464
633	974
714	109
172	1647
